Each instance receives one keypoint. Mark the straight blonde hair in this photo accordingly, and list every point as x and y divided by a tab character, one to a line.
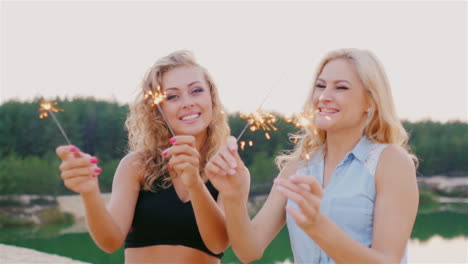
382	124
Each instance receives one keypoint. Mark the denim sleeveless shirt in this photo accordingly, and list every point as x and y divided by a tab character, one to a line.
348	199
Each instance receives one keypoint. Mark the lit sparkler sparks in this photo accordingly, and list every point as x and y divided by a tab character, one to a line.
302	120
155	98
47	108
259	120
242	144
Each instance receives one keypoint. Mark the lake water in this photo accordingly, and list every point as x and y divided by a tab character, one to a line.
438	237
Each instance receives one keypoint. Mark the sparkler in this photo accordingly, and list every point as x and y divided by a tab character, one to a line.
302	120
259	120
47	108
156	98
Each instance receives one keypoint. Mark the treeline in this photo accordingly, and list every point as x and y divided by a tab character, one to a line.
27	144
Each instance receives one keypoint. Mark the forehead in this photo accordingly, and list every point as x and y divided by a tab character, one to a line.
182	76
339	69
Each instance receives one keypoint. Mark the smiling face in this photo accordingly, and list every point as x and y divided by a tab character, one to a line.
339	98
188	104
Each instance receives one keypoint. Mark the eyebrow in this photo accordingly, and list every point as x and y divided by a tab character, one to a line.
175	88
337	81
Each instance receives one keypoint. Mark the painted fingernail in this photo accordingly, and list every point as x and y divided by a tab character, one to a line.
93	160
172	140
164	153
98	170
73	149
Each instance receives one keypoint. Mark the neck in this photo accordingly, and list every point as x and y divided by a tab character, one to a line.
340	143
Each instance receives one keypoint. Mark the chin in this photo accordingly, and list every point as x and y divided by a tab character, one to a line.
323	124
191	132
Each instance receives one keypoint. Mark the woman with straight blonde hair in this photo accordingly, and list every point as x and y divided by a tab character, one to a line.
348	191
162	207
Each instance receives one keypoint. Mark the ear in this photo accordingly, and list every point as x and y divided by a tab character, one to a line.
369	103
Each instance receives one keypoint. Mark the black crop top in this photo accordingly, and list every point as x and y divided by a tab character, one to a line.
161	218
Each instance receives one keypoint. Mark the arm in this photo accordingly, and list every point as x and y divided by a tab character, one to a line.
396	202
184	159
210	219
108	227
248	238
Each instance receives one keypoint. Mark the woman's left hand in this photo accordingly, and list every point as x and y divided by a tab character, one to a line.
184	159
307	193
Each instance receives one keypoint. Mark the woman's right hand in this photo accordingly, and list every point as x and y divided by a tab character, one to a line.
79	169
227	172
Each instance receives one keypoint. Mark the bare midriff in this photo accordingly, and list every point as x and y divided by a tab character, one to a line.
168	254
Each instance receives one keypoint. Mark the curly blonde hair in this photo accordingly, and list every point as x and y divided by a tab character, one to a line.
148	133
382	124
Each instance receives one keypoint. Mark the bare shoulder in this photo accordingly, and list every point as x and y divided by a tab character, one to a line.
396	156
133	159
131	165
395	164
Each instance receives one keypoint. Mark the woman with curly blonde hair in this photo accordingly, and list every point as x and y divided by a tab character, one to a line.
162	206
348	191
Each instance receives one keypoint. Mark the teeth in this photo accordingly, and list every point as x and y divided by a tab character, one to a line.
328	110
190	117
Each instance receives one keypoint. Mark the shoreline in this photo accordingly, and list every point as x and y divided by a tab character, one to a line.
73	204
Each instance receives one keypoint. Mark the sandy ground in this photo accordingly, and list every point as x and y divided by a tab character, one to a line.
73	204
16	255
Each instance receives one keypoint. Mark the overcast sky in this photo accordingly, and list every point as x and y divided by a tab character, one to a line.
103	49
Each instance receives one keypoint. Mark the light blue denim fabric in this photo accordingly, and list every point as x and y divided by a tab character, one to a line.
348	199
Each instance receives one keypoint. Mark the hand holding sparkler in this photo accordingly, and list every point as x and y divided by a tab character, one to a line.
78	183
79	170
228	173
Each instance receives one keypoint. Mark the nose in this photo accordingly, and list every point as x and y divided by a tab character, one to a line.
187	102
326	95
